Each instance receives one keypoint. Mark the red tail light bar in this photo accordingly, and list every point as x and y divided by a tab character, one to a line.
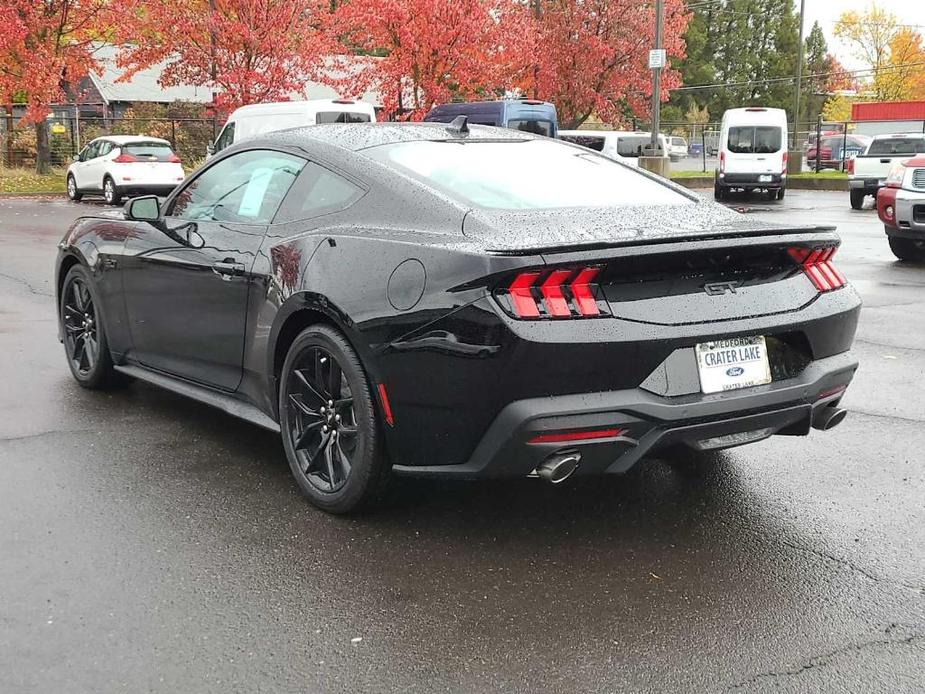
816	264
559	293
126	158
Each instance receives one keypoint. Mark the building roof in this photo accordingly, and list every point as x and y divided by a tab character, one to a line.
143	86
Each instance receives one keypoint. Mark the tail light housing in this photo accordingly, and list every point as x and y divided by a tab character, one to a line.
849	167
173	158
125	158
557	293
816	264
786	159
722	161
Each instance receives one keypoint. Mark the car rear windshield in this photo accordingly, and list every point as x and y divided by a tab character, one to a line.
155	151
763	139
897	145
525	174
537	127
590	141
342	117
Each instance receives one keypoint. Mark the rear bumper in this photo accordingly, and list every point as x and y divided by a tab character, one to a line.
738	180
159	189
648	422
870	185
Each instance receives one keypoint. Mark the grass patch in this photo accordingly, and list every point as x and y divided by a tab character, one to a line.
823	175
27	182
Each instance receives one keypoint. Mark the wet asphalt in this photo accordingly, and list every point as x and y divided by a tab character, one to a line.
149	543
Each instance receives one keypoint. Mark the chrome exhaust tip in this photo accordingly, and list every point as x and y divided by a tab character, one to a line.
829	418
559	467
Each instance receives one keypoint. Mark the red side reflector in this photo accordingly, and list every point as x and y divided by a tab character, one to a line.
581	291
521	296
386	407
551	289
566	436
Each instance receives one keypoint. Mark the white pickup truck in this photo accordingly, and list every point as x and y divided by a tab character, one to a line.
867	172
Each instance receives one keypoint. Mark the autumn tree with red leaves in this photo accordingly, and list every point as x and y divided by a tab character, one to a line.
433	51
45	48
591	56
246	51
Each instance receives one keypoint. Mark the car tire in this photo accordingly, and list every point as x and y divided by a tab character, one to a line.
85	344
780	193
111	193
719	192
857	199
907	249
335	451
73	192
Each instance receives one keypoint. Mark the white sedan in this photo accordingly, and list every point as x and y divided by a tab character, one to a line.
124	165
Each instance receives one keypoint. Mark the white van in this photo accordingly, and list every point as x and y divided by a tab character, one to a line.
752	152
257	119
621	145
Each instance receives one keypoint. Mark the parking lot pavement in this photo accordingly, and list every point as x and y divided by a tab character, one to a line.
148	543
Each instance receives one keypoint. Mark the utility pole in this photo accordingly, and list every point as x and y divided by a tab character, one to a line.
796	98
656	64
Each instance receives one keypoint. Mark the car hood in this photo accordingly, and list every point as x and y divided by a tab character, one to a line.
529	231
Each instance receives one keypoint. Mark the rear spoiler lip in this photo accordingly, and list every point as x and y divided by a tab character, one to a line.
826	232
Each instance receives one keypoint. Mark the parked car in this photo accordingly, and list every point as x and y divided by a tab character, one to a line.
837	150
867	171
901	208
752	152
632	144
459	302
607	142
677	148
257	119
115	166
526	115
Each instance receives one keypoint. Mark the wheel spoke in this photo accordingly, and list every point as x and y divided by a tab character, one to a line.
70	309
335	376
304	409
301	443
303	379
344	460
312	456
79	348
90	349
78	297
329	462
73	328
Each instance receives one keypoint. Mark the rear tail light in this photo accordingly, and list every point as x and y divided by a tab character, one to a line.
559	293
849	167
173	158
722	162
786	159
817	266
125	158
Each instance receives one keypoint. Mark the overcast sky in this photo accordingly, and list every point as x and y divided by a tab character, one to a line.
826	12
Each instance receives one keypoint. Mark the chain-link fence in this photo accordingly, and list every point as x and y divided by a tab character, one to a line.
189	137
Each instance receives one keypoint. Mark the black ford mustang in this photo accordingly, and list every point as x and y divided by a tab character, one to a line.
464	302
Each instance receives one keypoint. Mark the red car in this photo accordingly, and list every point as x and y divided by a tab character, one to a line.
901	207
836	150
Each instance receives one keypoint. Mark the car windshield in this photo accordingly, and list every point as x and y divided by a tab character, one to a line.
525	175
754	140
537	127
897	145
155	151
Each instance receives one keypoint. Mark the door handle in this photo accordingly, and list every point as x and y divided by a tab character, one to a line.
885	161
228	268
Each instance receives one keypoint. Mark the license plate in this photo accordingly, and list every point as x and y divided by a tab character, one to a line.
764	178
738	362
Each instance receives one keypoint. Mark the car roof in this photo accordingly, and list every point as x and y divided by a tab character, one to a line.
891	135
358	136
129	139
310	104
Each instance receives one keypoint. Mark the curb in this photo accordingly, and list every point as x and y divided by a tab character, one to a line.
834	184
26	196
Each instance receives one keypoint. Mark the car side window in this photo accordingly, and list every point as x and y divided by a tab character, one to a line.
91	151
318	191
105	148
247	187
225	137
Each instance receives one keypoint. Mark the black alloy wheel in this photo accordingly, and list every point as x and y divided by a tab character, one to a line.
84	337
328	423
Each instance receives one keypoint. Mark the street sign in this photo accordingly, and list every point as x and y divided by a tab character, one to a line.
657	58
58	129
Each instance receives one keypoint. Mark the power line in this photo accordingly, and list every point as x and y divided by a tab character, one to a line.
787	79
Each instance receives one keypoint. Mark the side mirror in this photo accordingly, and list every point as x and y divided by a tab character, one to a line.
147	208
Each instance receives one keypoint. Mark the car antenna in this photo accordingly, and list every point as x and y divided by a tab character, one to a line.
459	125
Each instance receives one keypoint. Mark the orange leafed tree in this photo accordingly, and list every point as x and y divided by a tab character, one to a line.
432	51
903	76
246	51
45	47
592	56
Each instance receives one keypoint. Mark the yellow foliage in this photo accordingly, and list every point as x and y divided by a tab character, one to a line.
837	109
904	78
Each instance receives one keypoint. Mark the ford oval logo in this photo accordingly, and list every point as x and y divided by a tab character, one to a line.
735	371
